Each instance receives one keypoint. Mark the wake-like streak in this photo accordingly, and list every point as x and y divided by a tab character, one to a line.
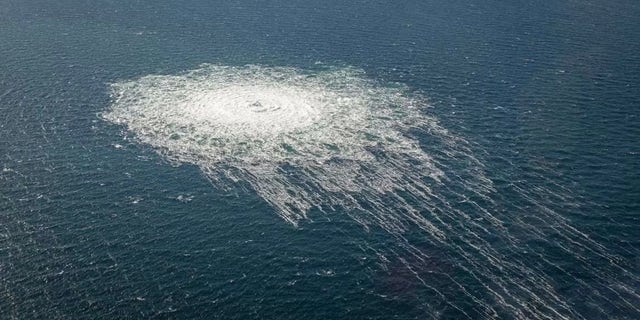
334	140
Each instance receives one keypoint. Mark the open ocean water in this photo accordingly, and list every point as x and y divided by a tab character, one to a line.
319	160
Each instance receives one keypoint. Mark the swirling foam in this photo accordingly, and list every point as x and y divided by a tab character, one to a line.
334	139
252	120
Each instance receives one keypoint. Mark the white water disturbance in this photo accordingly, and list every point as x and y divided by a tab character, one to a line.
246	123
335	139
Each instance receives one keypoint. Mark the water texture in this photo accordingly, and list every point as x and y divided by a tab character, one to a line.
285	160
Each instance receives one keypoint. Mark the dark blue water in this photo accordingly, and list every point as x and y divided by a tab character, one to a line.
545	94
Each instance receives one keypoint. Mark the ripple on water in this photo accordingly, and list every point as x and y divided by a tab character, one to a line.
335	139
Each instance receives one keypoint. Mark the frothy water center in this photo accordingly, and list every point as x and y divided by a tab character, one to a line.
257	109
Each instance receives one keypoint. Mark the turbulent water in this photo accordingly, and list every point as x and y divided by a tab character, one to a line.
336	140
301	140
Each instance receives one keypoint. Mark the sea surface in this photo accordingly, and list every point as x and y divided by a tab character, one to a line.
319	159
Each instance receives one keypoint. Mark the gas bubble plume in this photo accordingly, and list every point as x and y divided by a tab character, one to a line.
335	141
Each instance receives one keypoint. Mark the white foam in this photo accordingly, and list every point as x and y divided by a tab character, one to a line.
249	121
335	139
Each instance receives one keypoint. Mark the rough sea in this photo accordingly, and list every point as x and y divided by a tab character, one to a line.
319	159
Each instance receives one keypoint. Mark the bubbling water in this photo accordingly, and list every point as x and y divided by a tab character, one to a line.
249	121
334	140
258	109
